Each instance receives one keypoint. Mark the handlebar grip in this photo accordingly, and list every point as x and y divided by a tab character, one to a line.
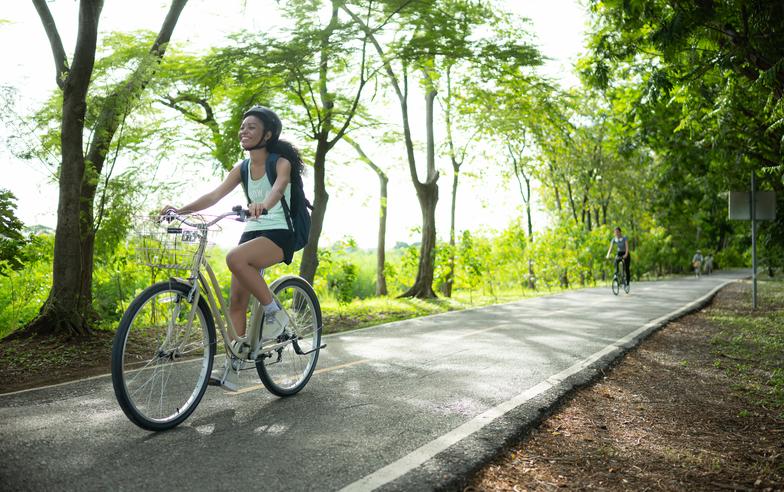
244	213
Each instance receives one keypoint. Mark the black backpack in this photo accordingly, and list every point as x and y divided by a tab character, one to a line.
298	215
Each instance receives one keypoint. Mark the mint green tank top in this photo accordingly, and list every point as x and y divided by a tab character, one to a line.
258	189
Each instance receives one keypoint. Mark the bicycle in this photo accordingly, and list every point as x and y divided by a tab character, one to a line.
619	278
163	351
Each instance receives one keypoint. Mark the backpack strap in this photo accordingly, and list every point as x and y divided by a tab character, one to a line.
271	169
244	177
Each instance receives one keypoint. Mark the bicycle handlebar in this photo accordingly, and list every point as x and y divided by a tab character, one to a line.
242	213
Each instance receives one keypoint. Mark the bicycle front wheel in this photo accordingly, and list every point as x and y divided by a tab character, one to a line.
616	286
286	370
162	356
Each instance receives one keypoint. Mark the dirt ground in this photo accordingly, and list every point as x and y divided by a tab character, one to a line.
29	362
664	418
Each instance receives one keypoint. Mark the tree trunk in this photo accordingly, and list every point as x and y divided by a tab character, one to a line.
571	202
555	187
381	278
528	208
309	264
62	311
427	193
450	275
449	282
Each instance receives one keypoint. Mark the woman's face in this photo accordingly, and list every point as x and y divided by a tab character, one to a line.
251	131
617	233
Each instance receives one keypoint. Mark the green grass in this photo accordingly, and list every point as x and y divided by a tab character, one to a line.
750	346
361	313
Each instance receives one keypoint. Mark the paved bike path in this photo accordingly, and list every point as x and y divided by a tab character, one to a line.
408	405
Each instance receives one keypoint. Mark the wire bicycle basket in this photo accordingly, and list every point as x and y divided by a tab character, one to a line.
162	245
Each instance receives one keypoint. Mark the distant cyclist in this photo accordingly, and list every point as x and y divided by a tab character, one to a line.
696	262
621	253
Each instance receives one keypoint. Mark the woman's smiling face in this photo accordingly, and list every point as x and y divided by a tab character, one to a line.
251	131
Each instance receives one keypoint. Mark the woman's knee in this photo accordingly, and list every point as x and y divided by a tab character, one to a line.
234	260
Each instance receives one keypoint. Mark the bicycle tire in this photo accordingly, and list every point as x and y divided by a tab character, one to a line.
283	371
160	371
616	286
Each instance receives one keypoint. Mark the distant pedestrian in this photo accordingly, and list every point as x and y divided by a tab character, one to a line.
696	263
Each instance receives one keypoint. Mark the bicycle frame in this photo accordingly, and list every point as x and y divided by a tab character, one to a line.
203	275
618	263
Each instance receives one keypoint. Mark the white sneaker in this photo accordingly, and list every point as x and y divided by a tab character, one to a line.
274	325
226	377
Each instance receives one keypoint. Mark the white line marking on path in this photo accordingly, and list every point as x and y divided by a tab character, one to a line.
422	454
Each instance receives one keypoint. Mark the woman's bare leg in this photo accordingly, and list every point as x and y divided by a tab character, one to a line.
238	305
245	261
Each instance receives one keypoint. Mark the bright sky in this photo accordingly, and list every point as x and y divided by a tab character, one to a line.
557	24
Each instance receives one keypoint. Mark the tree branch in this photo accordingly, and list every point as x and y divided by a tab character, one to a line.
60	60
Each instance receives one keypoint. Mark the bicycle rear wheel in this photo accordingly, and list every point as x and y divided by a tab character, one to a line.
161	362
286	370
616	286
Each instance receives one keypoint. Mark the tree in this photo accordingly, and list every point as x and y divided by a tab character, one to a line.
383	180
68	308
424	35
701	87
457	156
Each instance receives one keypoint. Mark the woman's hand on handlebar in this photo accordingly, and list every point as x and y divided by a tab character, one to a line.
256	209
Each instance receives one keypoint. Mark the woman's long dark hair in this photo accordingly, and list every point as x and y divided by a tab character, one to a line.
287	150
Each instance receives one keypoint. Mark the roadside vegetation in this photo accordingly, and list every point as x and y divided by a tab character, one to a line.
749	348
487	269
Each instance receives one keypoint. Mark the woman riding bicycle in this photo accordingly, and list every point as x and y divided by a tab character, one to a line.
622	253
265	242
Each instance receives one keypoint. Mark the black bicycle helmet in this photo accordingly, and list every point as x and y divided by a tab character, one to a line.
271	122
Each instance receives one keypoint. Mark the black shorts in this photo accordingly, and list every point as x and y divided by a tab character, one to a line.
283	238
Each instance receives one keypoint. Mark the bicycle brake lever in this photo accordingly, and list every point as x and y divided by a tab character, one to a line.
242	213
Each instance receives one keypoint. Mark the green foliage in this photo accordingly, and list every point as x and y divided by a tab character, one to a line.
12	241
699	86
23	291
